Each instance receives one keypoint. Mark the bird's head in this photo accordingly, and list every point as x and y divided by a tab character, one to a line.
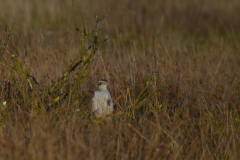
102	84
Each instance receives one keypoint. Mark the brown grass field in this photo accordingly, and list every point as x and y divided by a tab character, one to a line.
188	51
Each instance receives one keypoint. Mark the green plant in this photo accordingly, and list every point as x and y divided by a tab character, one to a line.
82	62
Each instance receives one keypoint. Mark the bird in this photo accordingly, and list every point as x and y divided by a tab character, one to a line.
101	103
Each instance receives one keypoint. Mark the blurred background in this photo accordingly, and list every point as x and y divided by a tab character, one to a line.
192	47
143	26
135	18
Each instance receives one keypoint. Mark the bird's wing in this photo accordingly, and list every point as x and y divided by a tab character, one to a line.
108	102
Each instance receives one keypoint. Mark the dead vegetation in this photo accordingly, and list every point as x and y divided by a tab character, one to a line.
173	71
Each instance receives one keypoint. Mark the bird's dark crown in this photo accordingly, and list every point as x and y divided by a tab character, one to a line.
102	81
102	84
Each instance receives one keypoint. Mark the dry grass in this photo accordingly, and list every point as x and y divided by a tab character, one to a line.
191	47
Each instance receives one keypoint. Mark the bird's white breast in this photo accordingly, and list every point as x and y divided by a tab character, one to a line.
100	104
